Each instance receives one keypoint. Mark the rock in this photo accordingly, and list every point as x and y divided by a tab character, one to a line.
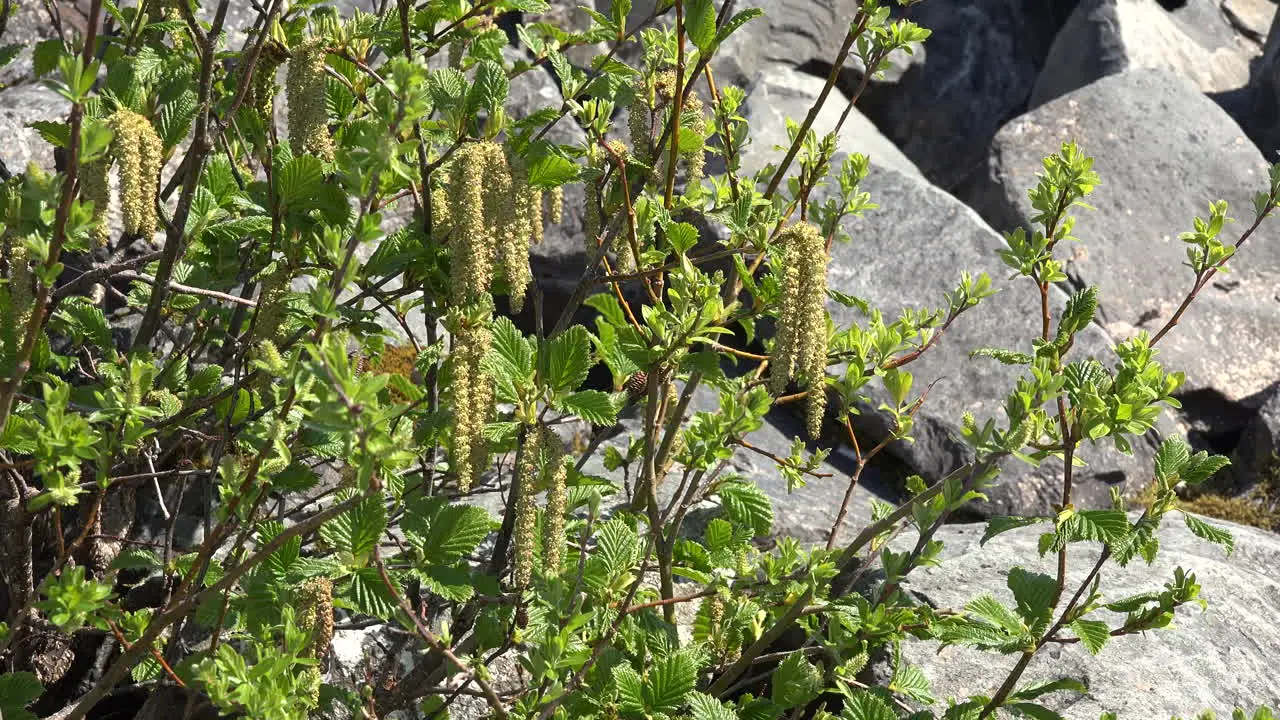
779	92
978	68
1263	119
1163	151
19	143
906	255
791	32
1103	37
1229	648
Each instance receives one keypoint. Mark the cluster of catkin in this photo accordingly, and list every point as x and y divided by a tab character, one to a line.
315	610
543	455
138	154
308	109
495	216
801	349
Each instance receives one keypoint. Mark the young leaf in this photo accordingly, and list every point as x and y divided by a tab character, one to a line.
796	682
1093	634
998	525
567	359
1034	593
594	406
17	691
748	506
1212	533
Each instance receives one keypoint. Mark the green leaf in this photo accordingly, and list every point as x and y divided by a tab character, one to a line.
456	531
705	707
1006	357
1093	634
367	594
135	558
998	525
298	181
1034	593
1171	458
451	583
700	23
669	682
510	360
1035	690
1032	710
489	91
17	691
630	689
548	168
866	705
748	505
796	682
1105	526
205	380
1212	533
737	21
911	681
987	607
567	359
357	530
594	406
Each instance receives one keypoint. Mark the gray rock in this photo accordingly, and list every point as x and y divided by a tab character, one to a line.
1103	37
978	68
1228	649
1163	151
906	255
791	32
779	92
1263	121
19	143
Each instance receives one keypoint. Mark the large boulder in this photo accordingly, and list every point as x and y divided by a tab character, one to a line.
779	92
20	143
906	255
1198	41
1164	151
791	32
1228	649
1263	118
976	72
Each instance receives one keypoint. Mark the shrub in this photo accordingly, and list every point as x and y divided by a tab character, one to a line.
246	359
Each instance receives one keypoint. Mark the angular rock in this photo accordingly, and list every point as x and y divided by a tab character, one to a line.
978	68
1229	649
1163	151
19	143
906	255
1263	119
779	92
1103	37
791	32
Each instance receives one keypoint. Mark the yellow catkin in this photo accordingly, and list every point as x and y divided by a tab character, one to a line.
21	284
272	310
315	608
517	233
526	508
553	540
696	159
556	211
472	400
535	216
640	127
138	153
592	218
801	342
95	188
473	244
305	89
263	86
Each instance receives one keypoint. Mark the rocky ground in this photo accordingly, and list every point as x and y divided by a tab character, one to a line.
1179	101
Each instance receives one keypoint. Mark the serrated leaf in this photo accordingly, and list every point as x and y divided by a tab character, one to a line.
1032	710
17	691
737	21
1212	533
359	529
1093	634
1105	526
367	594
489	91
176	118
1035	690
594	406
299	181
1034	593
630	689
748	505
567	359
700	23
987	607
451	583
705	707
796	682
510	359
866	705
1170	458
456	531
1005	357
911	681
136	558
998	525
669	682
